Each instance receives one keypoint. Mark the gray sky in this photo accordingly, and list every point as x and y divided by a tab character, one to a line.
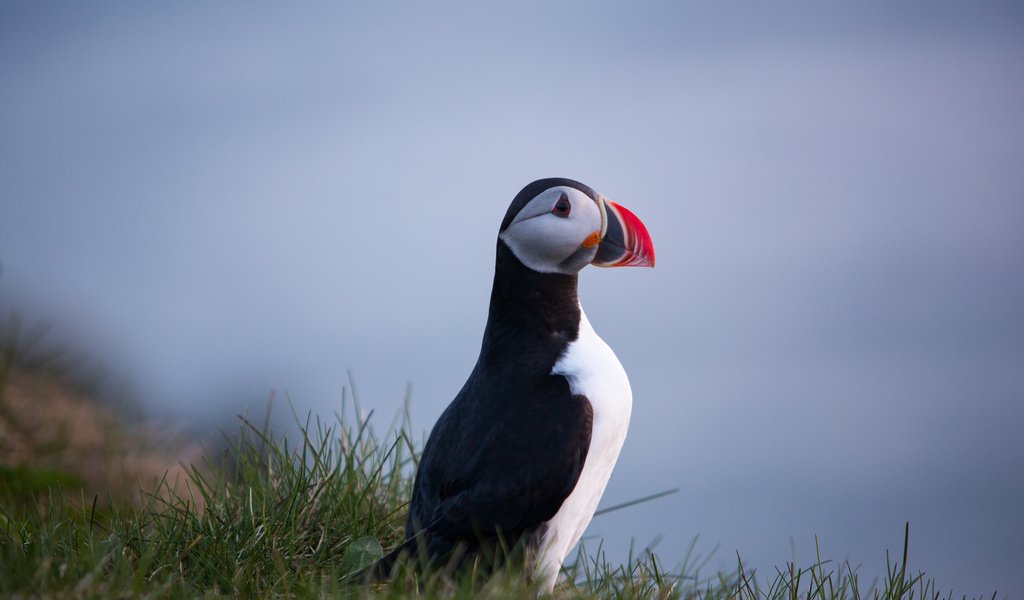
227	199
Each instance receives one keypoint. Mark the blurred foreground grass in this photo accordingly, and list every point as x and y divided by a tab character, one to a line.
91	507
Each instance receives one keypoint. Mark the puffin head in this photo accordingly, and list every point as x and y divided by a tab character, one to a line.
560	226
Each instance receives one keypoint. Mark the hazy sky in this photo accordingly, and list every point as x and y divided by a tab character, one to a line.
224	199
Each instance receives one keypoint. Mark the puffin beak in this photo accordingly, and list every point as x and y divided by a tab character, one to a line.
624	239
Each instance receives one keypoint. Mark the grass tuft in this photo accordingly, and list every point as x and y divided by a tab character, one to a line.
294	516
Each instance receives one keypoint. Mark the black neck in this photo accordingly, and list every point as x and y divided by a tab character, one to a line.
533	316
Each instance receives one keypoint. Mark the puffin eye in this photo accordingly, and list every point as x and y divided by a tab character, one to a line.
562	206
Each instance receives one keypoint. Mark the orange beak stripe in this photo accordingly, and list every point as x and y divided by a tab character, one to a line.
592	240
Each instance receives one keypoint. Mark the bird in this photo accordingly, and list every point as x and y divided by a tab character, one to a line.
524	451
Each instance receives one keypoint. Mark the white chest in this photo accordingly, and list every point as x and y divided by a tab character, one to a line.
592	370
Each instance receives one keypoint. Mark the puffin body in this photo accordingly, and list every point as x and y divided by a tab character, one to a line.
523	453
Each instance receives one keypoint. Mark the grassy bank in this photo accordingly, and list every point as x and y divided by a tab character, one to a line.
271	517
92	506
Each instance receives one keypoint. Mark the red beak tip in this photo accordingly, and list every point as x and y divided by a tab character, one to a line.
632	238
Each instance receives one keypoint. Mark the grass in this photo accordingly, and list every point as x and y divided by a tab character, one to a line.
271	515
270	518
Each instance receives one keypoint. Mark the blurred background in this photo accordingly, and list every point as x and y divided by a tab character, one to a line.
219	200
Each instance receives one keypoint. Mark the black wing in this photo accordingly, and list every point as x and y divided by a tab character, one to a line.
499	460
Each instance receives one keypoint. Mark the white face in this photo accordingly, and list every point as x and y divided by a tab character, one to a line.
556	232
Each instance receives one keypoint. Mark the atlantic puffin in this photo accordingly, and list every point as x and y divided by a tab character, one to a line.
524	451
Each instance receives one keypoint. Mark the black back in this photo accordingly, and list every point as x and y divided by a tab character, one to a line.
509	448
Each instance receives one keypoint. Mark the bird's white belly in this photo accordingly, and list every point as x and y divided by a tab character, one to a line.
592	370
